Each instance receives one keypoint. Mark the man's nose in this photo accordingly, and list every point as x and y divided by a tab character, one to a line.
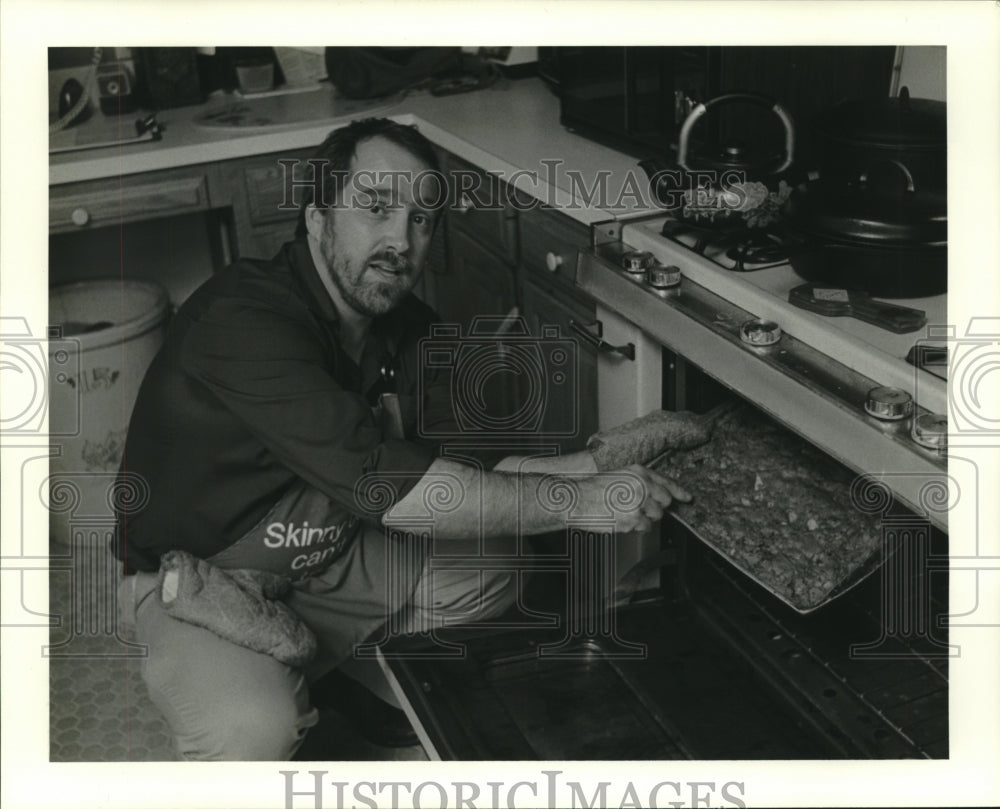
397	234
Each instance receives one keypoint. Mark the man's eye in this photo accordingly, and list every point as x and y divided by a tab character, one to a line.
376	208
421	220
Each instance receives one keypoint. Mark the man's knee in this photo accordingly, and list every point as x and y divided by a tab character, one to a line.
257	711
450	595
261	730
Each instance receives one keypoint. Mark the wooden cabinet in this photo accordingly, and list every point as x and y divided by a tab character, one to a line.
264	195
170	227
570	389
477	283
550	243
257	199
481	208
500	256
478	244
119	200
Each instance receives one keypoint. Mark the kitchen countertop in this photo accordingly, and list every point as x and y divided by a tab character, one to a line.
464	124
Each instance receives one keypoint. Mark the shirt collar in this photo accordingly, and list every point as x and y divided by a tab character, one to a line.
304	268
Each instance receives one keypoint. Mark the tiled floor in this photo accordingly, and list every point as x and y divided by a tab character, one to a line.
99	709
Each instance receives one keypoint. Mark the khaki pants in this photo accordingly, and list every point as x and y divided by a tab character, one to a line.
225	702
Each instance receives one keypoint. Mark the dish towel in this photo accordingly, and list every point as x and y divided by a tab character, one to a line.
238	605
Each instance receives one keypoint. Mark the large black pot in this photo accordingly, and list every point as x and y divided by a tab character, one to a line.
877	219
865	137
890	246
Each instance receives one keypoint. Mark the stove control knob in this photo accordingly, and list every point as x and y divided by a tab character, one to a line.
931	430
637	261
553	261
760	332
663	277
889	404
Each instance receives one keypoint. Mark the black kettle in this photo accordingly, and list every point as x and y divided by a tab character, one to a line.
728	186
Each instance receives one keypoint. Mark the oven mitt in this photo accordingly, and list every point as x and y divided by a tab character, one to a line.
238	605
639	441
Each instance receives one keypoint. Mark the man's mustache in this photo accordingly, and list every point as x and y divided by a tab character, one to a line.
393	260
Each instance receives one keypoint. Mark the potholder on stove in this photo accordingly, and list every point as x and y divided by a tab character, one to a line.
640	440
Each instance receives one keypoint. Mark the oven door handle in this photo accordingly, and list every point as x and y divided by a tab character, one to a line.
598	342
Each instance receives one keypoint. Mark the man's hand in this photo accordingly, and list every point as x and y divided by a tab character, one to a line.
637	496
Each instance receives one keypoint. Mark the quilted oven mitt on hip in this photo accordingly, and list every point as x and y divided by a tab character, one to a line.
238	605
642	439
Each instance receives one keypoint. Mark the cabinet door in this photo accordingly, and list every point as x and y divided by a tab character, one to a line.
482	208
264	195
478	284
570	405
475	283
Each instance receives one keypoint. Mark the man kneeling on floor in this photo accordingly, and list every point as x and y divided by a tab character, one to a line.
256	566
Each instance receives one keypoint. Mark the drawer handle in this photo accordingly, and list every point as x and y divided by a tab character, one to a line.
553	261
464	204
80	216
596	340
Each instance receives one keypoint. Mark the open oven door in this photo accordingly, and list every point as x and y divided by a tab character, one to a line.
711	667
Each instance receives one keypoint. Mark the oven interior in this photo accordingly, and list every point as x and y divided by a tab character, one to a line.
704	664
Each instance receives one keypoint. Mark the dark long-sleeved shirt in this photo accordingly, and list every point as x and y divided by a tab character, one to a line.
251	393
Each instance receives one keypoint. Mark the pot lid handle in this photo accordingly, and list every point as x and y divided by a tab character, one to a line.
904	172
699	111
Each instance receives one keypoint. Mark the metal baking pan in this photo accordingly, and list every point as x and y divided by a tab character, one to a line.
872	563
687	515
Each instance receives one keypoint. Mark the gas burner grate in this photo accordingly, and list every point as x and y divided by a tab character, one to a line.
758	251
739	249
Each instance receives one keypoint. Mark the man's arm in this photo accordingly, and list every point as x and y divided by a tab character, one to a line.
469	502
576	463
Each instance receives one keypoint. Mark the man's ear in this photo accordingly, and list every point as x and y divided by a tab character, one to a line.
314	219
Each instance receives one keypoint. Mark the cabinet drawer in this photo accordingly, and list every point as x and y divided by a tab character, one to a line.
271	194
481	209
127	199
550	242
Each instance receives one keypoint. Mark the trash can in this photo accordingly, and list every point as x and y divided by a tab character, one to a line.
106	334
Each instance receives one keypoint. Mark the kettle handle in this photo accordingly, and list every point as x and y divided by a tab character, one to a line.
727	98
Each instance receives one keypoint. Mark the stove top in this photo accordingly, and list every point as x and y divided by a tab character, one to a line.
739	249
749	268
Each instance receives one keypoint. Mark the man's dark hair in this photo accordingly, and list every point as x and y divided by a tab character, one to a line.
340	146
